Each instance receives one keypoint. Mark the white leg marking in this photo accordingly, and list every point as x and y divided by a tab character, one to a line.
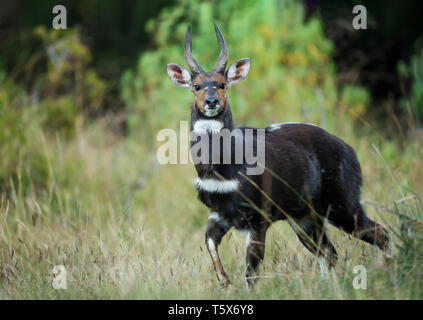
323	267
248	239
215	257
212	249
247	244
214	216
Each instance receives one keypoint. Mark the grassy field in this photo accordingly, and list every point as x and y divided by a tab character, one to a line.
80	185
125	228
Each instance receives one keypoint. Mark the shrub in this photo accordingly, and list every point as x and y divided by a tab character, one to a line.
61	92
291	64
414	71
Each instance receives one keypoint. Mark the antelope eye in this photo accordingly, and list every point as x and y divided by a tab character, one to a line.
197	87
222	86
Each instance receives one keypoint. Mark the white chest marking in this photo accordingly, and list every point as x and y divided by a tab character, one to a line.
204	126
216	186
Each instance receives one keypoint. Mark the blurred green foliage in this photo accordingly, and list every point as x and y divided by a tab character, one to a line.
68	75
56	90
414	71
291	68
56	103
355	99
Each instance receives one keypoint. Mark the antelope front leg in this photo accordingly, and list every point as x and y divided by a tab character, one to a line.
216	229
256	239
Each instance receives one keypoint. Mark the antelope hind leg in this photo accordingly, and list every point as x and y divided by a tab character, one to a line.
255	252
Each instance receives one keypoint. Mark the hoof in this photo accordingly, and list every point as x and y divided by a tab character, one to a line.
251	281
225	283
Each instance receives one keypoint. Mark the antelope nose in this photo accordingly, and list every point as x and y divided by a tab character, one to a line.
211	102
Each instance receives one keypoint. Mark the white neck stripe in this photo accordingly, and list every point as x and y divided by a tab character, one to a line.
216	186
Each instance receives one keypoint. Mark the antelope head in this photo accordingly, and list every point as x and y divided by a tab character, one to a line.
209	88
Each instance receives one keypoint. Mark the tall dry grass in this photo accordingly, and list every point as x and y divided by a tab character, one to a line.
125	228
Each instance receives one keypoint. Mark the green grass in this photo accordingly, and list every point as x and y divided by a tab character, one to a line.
127	229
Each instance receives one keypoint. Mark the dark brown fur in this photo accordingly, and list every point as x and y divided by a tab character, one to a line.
311	176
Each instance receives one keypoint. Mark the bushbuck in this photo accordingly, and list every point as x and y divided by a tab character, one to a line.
309	176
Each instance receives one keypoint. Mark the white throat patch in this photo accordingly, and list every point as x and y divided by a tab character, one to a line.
204	126
216	186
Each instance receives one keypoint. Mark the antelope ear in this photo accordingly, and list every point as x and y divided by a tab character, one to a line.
179	75
238	71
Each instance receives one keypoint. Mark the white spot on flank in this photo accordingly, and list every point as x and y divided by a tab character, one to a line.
277	126
216	186
204	126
